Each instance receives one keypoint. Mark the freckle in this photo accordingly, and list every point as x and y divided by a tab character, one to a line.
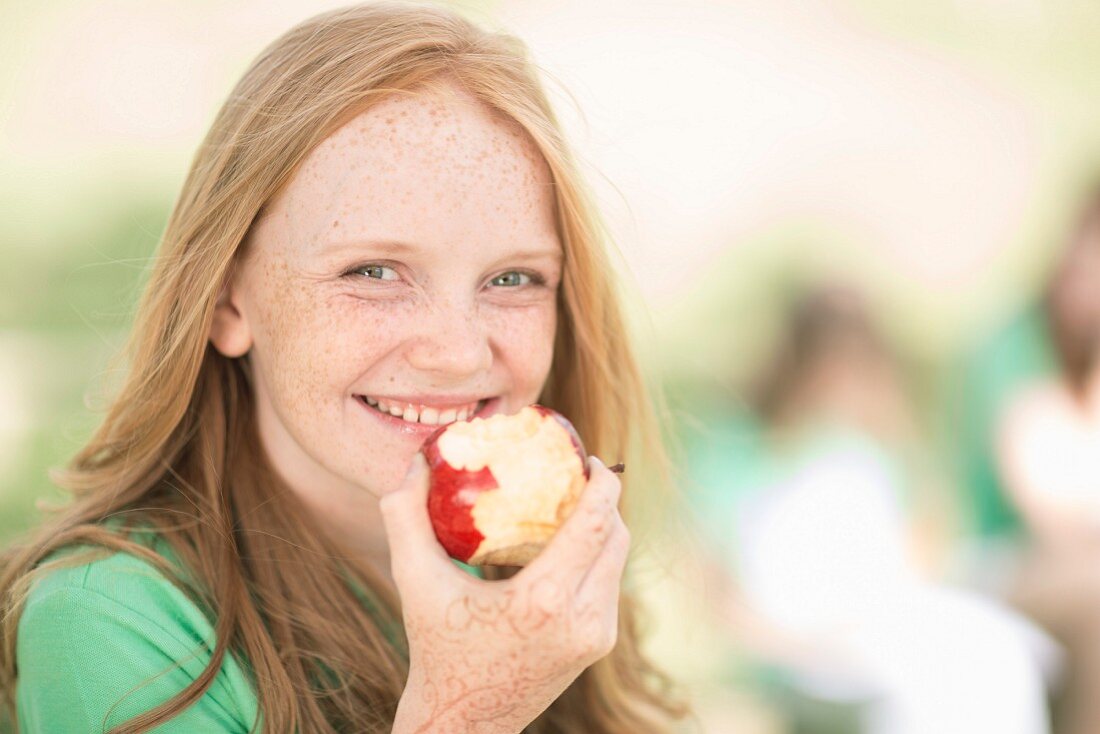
335	223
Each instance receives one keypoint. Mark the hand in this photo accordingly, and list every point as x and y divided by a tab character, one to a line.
490	656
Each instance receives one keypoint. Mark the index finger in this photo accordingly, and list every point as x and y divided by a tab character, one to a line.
414	549
578	542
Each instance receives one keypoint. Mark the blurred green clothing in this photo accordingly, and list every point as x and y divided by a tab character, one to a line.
105	640
109	637
733	458
1017	353
723	459
730	454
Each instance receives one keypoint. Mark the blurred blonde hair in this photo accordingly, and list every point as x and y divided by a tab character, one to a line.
177	451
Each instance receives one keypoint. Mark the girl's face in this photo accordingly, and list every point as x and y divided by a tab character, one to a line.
411	264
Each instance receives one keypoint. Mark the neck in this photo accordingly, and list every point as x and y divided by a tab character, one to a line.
350	513
354	518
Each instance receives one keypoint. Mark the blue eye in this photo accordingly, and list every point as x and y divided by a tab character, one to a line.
512	279
376	272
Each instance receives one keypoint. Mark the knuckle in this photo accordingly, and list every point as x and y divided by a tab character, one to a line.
547	596
593	520
595	636
598	520
610	639
599	643
611	535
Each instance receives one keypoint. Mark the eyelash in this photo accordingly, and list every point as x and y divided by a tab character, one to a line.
535	278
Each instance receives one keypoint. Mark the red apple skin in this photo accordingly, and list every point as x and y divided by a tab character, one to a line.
453	492
451	500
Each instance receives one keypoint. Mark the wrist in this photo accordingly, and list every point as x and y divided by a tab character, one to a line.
417	715
418	721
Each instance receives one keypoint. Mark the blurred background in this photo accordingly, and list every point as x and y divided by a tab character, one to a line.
862	242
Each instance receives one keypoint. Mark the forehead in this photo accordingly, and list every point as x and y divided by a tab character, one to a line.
434	167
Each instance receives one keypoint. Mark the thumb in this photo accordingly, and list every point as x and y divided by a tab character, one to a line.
405	517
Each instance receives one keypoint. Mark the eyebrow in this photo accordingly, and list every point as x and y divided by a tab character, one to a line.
394	246
399	247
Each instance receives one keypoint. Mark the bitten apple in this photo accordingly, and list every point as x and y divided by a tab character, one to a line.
501	486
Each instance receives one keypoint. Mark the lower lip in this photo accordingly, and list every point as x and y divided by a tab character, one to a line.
421	430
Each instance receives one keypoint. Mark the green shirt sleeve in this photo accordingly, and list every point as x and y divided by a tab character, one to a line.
101	642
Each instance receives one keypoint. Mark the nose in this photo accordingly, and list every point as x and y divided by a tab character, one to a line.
452	343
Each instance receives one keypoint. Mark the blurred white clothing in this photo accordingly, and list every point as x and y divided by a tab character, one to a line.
821	553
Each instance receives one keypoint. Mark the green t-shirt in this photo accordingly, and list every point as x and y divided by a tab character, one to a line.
102	641
106	640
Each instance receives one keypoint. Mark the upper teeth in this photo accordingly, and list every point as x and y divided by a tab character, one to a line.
423	413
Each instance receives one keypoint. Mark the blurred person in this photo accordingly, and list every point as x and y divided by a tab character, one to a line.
1047	453
383	207
830	571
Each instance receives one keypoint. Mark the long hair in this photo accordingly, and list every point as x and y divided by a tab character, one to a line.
178	451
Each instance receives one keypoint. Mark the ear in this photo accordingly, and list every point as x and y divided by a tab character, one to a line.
230	332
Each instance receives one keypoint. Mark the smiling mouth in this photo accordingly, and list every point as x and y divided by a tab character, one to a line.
424	415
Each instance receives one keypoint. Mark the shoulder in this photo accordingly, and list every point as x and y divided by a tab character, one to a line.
104	636
108	576
82	588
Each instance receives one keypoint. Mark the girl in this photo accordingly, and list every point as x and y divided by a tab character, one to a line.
384	214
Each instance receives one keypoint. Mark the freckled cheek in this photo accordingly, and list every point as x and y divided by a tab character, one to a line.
316	351
524	340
